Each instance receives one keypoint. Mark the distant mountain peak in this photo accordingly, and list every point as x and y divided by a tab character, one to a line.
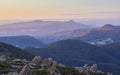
106	27
37	21
72	21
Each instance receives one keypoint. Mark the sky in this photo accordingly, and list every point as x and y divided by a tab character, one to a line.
59	9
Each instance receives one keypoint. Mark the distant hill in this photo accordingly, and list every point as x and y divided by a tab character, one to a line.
98	36
106	27
70	34
39	28
75	52
102	35
22	41
7	49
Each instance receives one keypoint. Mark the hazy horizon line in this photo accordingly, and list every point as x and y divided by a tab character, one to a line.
95	22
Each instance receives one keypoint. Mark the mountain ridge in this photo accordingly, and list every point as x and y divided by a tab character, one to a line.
22	41
39	27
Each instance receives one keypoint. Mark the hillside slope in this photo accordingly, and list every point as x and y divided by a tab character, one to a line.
75	52
113	49
7	49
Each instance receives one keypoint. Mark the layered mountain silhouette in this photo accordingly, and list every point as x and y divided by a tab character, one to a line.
77	53
22	41
51	31
98	36
39	27
7	49
70	34
107	31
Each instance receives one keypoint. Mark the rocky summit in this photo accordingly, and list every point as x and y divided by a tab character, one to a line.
40	66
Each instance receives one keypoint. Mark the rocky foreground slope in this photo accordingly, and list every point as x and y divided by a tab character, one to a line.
47	66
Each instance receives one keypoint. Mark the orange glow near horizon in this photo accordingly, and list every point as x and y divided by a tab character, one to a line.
58	9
